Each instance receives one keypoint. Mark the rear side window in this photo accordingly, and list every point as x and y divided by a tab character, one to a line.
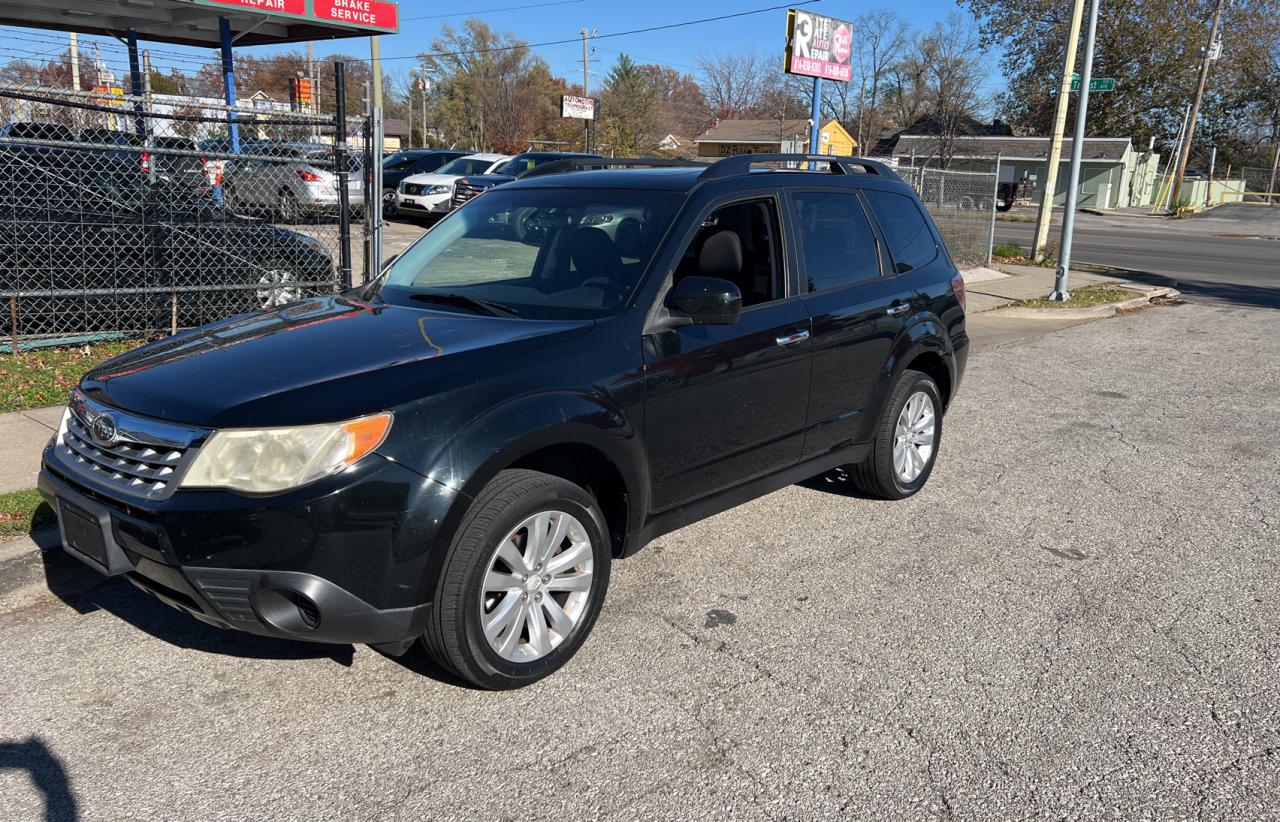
910	240
837	242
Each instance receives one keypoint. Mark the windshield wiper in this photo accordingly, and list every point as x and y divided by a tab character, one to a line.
483	306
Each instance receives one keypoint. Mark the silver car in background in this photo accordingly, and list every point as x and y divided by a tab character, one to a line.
290	181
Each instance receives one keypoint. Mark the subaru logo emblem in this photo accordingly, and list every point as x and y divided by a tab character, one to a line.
103	429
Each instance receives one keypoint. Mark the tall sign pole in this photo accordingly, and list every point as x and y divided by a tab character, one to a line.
1055	143
586	91
1195	103
1077	152
815	115
821	48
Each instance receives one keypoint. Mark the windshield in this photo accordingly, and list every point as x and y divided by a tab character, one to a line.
549	254
515	166
464	166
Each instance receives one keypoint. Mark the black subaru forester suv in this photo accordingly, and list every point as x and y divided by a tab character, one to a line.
456	451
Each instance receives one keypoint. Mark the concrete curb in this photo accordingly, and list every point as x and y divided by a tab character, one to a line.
1094	312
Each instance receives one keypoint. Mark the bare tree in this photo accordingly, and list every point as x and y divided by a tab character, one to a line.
882	38
739	84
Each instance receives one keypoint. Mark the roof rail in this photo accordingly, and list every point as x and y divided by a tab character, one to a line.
587	163
839	164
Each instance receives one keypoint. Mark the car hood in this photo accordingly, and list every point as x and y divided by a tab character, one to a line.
489	180
431	179
319	360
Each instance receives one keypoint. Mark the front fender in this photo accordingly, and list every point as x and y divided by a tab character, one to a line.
475	454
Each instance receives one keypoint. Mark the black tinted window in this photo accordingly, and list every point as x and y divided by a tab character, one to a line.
910	240
756	270
836	239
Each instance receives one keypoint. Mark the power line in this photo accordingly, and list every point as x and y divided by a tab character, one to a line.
646	30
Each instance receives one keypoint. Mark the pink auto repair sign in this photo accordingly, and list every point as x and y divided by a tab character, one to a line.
818	46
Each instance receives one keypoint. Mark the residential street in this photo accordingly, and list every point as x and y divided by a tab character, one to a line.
1228	254
1076	618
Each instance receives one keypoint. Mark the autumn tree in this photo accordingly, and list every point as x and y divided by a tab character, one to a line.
488	88
1153	49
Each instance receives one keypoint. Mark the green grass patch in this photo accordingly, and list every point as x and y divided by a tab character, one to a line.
1007	251
1009	217
34	379
24	512
1089	295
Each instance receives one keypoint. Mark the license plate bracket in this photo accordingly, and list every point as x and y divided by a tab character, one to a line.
86	535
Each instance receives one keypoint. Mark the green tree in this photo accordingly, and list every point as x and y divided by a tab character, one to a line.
628	117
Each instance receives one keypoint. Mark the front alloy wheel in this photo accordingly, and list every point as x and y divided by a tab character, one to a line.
537	586
522	583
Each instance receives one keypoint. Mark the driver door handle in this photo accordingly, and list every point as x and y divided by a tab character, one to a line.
895	310
792	338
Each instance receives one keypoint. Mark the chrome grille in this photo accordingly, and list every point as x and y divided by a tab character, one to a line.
464	191
142	457
413	189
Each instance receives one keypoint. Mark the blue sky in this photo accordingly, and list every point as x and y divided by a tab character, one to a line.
548	20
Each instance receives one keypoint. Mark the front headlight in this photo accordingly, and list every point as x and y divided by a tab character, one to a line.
268	460
440	189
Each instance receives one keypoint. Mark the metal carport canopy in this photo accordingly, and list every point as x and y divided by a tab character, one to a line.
195	22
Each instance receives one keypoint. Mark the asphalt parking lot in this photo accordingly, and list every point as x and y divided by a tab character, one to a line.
1077	618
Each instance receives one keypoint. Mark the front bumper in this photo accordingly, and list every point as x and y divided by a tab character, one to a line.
347	560
425	203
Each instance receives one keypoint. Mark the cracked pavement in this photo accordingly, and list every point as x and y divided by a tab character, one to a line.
1077	618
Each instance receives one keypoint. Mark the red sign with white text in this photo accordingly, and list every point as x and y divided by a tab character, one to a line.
374	14
277	6
818	46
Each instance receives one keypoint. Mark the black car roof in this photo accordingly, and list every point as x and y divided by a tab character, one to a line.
685	178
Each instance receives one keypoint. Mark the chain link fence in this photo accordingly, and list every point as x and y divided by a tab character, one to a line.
962	205
118	219
1260	185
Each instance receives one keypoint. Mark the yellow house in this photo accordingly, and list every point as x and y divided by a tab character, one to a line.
730	137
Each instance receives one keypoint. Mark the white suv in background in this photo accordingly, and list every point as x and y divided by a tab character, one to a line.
428	194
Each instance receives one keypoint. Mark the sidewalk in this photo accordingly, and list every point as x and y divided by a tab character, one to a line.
23	435
1024	282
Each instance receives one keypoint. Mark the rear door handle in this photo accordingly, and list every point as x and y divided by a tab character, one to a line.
792	338
895	310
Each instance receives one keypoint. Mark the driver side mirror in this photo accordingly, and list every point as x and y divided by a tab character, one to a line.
706	300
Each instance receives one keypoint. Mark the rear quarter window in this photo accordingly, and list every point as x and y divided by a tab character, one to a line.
905	229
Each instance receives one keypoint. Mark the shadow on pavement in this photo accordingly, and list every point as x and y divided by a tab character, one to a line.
148	614
85	590
47	774
1250	295
836	481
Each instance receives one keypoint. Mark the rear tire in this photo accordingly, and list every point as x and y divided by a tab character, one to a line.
511	608
890	471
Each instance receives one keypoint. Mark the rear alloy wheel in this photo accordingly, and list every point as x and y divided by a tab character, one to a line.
906	440
389	203
523	582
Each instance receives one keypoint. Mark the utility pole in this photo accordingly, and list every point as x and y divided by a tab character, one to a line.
586	83
1195	103
1055	142
315	89
375	65
1275	166
424	85
1060	291
75	61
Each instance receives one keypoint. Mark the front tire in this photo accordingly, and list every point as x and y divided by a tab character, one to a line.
523	583
905	446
